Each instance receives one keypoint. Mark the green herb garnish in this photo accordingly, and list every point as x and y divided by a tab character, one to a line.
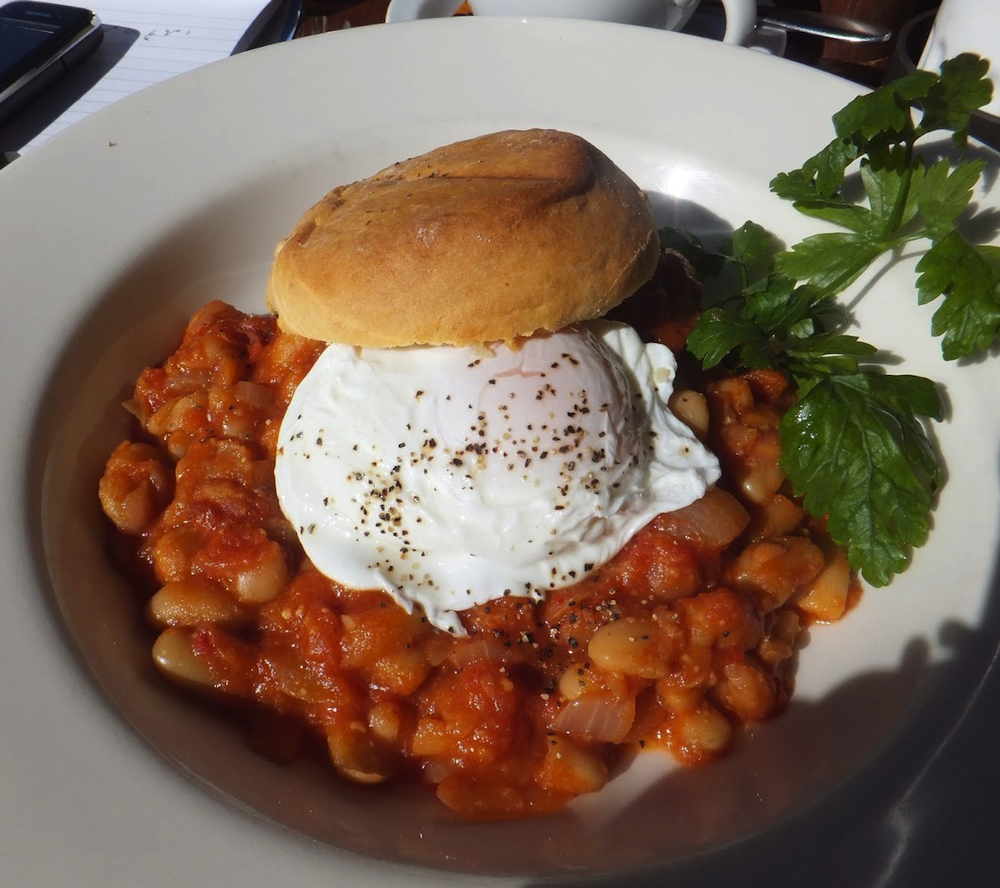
854	446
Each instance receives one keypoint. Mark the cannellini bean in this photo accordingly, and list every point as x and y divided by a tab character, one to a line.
678	699
173	552
357	756
825	597
262	580
403	671
696	670
776	518
175	657
630	646
193	601
383	631
705	730
430	738
733	396
691	408
764	476
775	569
570	766
779	644
721	619
178	442
672	635
746	691
131	511
672	571
135	485
573	682
385	719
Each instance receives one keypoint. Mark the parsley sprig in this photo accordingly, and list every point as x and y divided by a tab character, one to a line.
855	444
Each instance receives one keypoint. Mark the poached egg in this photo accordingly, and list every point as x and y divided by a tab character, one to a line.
451	476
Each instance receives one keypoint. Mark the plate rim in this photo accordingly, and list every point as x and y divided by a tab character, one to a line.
89	136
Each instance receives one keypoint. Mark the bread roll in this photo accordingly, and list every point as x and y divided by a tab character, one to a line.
484	240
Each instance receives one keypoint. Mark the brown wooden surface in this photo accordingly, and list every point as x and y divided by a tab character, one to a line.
891	13
334	15
866	64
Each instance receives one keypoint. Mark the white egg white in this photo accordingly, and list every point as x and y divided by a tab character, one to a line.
452	476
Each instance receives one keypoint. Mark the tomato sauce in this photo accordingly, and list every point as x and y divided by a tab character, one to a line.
679	640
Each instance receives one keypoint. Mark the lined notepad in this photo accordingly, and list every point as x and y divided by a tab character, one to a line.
144	42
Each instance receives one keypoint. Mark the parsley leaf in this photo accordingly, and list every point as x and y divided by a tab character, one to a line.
719	332
969	279
820	177
962	88
829	261
885	112
907	200
942	194
854	446
748	245
814	358
703	261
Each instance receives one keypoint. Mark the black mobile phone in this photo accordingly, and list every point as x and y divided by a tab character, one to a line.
39	42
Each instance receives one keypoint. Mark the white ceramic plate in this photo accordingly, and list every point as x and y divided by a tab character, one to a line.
117	230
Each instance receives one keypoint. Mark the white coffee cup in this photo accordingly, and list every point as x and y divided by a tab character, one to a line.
671	15
966	26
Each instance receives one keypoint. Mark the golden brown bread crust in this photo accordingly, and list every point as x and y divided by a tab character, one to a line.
487	239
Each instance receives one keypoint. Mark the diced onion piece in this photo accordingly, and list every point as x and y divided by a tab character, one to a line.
485	648
597	716
253	394
713	521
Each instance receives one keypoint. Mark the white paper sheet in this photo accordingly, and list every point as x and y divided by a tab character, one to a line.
145	41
